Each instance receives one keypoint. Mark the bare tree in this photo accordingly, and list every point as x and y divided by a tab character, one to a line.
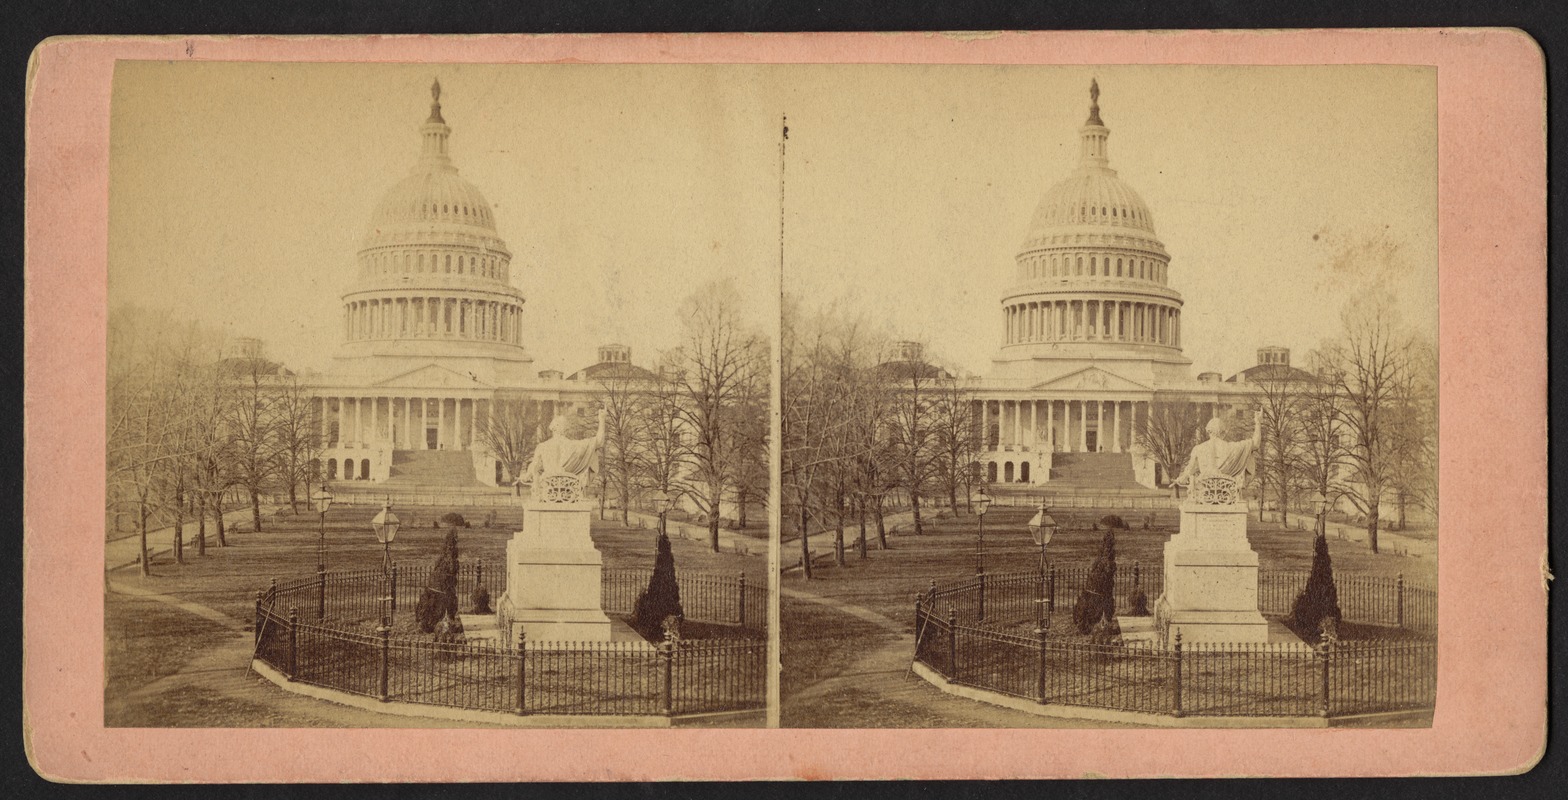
297	434
1168	432
1281	400
1370	370
718	355
250	420
510	431
663	460
912	428
622	397
956	434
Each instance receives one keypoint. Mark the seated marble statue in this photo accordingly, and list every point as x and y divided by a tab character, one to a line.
559	455
1217	456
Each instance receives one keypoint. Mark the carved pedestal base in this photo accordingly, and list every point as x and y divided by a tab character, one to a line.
1211	578
553	577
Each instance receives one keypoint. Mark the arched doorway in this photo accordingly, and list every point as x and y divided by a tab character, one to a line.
364	469
332	469
1007	473
1023	472
990	472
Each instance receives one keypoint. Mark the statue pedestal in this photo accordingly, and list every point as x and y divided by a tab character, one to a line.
553	575
1211	578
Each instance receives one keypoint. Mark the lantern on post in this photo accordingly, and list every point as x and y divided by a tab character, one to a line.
385	523
660	500
1320	510
323	501
982	503
1042	528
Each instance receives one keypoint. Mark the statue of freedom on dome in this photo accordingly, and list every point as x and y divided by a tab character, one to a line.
1219	457
560	455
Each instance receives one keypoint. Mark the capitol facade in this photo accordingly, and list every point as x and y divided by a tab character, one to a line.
433	338
1091	338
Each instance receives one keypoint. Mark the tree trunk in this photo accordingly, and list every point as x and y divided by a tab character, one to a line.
141	528
217	517
179	529
805	541
1400	523
914	505
293	500
838	534
201	524
255	509
881	527
713	520
861	543
1284	499
1372	526
741	496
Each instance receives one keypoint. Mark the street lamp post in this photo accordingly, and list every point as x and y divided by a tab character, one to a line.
1042	528
323	499
982	502
386	524
661	504
1320	508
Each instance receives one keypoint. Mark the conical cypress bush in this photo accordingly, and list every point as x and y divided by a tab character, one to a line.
1097	601
438	601
662	598
1319	600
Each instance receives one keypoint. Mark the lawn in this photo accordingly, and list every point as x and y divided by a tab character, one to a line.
147	641
817	641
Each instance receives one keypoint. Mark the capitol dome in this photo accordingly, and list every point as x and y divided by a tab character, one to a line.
1091	279
432	197
433	276
1091	197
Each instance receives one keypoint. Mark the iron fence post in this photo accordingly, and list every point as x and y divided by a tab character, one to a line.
931	593
980	600
321	592
741	595
1324	654
386	658
1176	676
479	573
293	641
259	622
667	656
1039	685
1051	592
952	642
1399	608
522	671
393	593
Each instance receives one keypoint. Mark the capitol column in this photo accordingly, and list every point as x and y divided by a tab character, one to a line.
1050	424
1080	430
985	424
1116	427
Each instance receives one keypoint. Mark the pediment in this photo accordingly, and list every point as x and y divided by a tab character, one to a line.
1093	379
433	376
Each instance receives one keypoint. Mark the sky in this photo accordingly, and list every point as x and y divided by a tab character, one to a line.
239	192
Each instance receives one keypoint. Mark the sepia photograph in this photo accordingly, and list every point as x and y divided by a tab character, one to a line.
1110	398
436	395
825	406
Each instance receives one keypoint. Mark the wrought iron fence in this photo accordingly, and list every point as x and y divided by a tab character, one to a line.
986	632
312	630
1002	599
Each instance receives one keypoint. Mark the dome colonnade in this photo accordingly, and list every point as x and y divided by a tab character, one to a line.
1091	330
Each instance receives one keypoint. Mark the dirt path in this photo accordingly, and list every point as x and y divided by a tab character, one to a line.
878	689
217	689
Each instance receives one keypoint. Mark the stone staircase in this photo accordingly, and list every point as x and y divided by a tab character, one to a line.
432	468
1093	471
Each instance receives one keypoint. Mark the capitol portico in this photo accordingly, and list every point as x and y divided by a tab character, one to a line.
433	338
1091	337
